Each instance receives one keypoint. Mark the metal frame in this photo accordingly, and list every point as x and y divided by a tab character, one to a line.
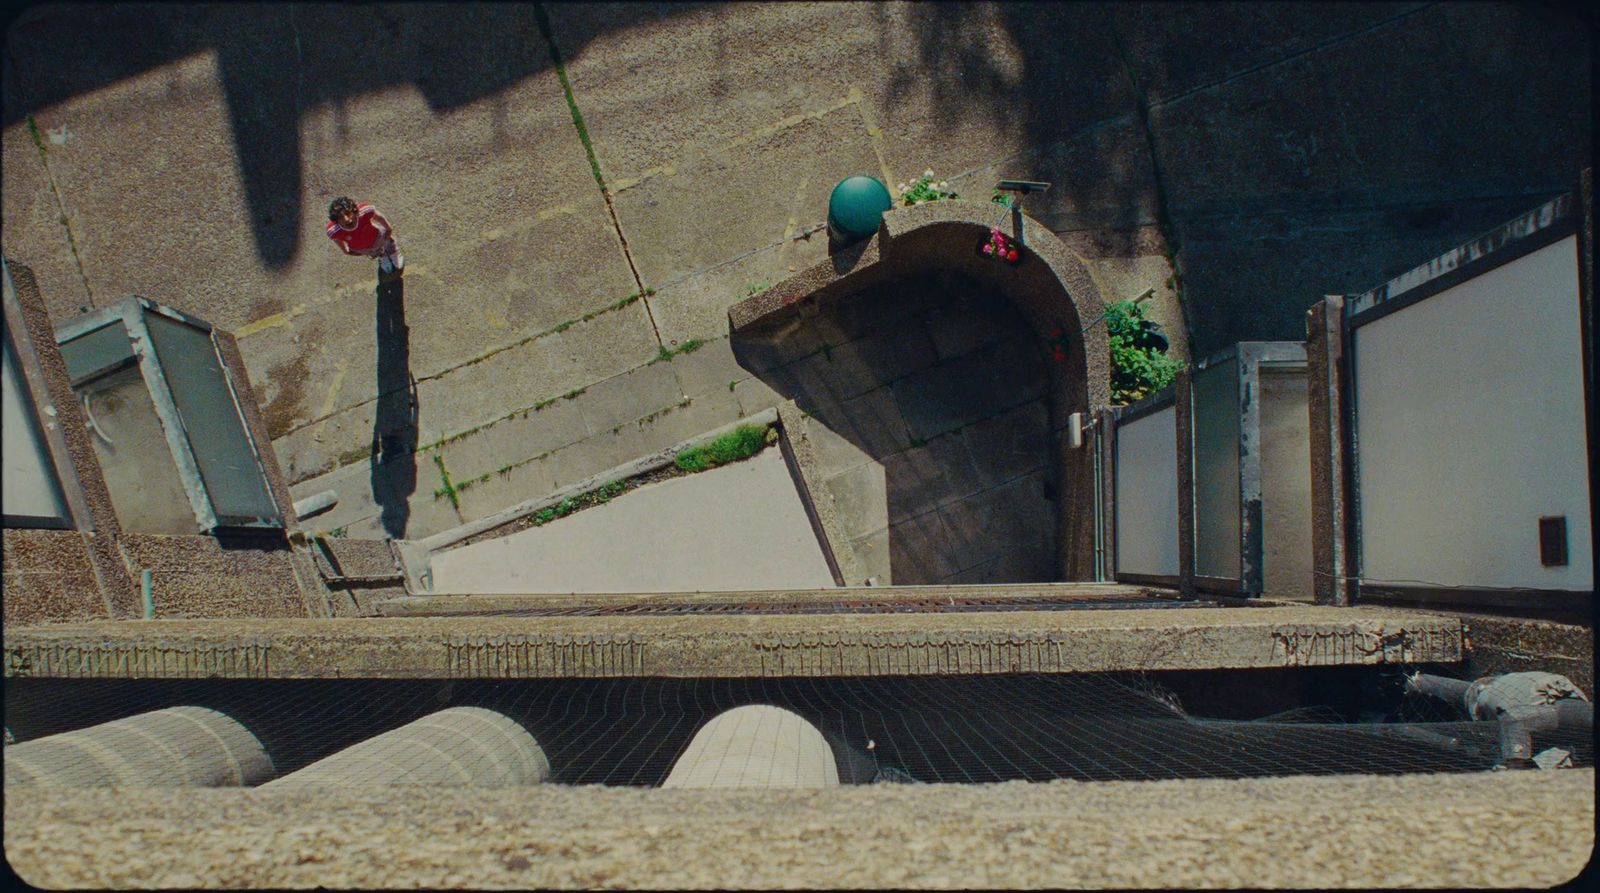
1541	227
130	312
36	393
1249	357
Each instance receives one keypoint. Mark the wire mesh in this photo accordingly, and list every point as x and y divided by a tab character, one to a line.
963	729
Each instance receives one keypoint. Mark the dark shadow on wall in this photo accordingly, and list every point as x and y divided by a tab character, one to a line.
937	380
394	427
277	60
1285	151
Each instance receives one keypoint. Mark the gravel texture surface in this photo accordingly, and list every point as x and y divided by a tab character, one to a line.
1518	829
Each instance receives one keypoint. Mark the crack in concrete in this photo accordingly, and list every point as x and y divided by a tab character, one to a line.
543	19
66	223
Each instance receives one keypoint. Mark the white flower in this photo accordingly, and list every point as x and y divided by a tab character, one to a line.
944	185
928	173
900	187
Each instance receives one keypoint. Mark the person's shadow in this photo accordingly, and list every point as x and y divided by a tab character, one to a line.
394	427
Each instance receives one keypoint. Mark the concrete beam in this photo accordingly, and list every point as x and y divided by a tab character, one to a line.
755	746
175	747
469	746
686	646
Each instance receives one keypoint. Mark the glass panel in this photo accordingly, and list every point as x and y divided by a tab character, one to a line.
31	494
96	351
233	478
1216	471
146	492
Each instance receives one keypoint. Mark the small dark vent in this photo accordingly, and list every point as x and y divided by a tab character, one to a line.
1553	541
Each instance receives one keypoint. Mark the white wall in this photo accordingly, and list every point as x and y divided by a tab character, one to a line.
1147	495
1470	425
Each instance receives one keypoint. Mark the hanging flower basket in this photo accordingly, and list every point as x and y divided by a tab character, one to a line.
1000	247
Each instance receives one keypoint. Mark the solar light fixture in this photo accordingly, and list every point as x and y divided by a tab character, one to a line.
1023	186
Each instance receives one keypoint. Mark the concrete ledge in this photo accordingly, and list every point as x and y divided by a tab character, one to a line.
1424	830
898	644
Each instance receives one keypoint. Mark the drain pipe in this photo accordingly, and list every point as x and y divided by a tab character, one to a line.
1525	704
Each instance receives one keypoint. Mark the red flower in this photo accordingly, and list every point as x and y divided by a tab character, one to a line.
1060	355
1056	332
1012	255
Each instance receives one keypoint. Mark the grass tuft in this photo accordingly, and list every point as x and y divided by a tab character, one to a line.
740	443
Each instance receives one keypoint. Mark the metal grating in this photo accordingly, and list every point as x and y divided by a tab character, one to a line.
948	605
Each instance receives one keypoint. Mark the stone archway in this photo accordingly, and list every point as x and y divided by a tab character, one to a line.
781	332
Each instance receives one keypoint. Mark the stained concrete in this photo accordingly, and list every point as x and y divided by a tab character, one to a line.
1503	829
738	645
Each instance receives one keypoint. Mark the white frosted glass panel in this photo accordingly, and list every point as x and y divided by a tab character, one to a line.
1216	471
1471	427
31	494
1147	495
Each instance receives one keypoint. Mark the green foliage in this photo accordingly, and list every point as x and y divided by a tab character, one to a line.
449	491
740	443
1139	367
925	189
755	288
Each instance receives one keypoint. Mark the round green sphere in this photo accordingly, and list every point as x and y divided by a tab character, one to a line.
857	206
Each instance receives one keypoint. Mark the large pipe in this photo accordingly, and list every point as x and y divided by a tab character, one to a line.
469	746
757	745
175	747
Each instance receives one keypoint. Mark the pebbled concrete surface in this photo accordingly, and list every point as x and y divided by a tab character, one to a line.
1506	829
745	645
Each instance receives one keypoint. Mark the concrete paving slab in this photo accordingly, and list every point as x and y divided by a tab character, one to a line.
723	529
736	645
1009	445
967	389
872	422
836	454
535	432
921	550
860	496
523	482
923	478
710	367
872	557
754	395
630	396
727	192
696	305
996	522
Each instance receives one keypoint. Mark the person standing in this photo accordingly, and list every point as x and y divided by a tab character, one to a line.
360	231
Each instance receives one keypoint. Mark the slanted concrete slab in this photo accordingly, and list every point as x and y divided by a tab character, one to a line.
728	528
897	644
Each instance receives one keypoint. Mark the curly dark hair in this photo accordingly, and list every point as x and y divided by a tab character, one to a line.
339	206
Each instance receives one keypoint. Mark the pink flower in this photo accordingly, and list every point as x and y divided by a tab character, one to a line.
988	249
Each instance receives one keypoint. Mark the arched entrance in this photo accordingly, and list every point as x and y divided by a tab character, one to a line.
937	386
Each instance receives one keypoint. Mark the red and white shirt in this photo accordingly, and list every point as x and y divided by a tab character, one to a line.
365	235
